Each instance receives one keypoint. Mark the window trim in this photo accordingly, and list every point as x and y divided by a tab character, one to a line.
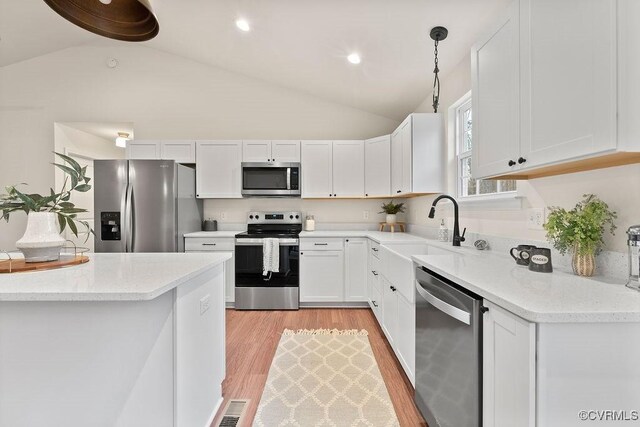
456	126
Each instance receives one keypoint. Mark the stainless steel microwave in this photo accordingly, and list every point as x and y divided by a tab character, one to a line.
270	179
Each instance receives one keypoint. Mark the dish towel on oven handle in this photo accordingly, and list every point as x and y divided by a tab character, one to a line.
270	256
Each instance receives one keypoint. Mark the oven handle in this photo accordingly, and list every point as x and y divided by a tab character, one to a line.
259	242
444	307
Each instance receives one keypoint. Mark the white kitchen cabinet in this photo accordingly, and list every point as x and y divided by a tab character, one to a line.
568	82
256	151
181	151
317	169
218	169
285	151
321	276
348	168
509	369
356	254
390	311
417	155
377	166
270	151
142	150
496	97
406	336
545	105
217	244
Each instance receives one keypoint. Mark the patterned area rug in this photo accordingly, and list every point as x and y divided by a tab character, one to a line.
325	378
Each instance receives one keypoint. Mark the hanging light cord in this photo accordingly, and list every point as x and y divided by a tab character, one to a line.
436	80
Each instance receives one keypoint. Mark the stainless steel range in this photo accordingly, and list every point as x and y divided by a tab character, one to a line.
275	290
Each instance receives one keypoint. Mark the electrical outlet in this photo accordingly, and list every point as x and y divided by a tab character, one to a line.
365	214
205	304
535	219
223	216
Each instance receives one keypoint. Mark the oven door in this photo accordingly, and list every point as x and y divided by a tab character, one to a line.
248	257
270	179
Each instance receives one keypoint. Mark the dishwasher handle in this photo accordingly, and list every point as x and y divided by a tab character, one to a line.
444	307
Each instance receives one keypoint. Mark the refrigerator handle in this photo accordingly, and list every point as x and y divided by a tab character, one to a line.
124	218
132	220
128	219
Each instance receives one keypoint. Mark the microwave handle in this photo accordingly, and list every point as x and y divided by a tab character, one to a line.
288	178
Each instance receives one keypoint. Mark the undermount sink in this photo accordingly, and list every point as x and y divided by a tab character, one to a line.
408	250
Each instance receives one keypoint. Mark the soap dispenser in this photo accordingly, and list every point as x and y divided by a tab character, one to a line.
443	233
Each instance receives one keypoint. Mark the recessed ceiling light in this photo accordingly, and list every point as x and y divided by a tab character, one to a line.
105	1
243	25
354	58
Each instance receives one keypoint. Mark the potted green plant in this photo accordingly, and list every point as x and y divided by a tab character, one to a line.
42	240
580	231
392	210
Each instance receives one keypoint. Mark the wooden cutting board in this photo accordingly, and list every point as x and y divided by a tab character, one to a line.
19	265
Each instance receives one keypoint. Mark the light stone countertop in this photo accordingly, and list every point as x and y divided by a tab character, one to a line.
378	236
220	233
558	297
110	277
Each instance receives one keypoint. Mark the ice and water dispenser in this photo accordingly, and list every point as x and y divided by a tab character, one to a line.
110	225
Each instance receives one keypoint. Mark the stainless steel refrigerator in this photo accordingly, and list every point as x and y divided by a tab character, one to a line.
144	205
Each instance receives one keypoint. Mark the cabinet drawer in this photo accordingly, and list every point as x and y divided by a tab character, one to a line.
376	304
374	248
208	244
331	244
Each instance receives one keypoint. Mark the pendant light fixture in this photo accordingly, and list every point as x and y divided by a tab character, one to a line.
437	34
127	20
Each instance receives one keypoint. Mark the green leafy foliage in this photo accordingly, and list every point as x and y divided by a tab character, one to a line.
57	202
392	208
582	228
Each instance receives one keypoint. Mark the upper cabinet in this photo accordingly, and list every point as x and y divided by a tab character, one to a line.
417	155
377	167
496	96
332	169
548	80
218	169
270	151
181	151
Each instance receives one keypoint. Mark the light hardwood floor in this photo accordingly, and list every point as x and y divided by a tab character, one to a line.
252	338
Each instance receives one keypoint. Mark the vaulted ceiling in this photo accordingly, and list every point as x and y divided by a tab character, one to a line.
298	44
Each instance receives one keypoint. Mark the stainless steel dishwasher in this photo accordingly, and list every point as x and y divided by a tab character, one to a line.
448	352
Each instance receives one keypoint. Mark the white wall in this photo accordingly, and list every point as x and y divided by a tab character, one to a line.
616	186
164	95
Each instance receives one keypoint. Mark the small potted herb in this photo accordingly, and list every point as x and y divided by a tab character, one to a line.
580	231
42	240
392	210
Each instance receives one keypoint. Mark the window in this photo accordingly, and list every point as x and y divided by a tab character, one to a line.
467	186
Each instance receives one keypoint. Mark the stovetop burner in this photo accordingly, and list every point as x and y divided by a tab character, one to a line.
283	225
247	235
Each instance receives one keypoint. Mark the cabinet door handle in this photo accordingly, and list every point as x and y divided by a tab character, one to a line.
393	288
334	195
374	249
400	191
521	160
366	195
208	244
512	163
374	303
320	244
374	272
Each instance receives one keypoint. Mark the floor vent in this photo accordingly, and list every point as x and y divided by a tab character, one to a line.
233	413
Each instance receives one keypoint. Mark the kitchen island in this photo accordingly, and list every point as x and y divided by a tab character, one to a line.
123	340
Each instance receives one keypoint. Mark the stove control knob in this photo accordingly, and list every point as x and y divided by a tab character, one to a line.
290	216
257	216
297	216
250	216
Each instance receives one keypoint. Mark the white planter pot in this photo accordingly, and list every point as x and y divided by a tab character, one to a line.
42	240
392	218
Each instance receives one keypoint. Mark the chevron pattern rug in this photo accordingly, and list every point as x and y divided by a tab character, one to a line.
325	377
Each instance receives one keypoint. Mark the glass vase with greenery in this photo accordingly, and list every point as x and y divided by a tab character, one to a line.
580	231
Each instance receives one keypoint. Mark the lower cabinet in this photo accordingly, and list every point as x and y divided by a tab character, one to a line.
355	269
217	244
333	270
321	275
509	369
390	315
